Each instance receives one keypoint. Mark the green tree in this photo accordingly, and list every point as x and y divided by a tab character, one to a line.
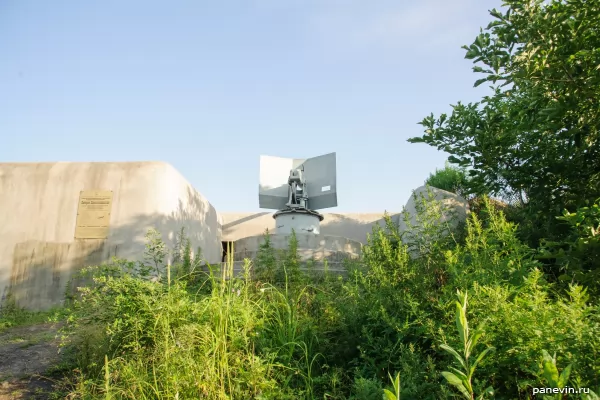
535	137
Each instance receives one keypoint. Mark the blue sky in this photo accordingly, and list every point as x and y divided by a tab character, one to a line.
209	86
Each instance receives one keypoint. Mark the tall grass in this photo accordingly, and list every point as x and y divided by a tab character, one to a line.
191	337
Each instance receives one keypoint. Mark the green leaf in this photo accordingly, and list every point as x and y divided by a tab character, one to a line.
496	14
550	372
564	376
461	375
460	326
457	383
457	356
479	41
397	381
563	277
480	358
591	396
454	160
472	342
477	68
396	385
387	395
416	140
472	53
480	81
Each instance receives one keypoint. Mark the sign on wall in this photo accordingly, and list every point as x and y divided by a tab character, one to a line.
93	214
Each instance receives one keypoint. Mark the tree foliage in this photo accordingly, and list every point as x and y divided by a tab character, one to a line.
535	137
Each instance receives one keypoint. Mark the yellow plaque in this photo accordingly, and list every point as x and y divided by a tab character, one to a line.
93	214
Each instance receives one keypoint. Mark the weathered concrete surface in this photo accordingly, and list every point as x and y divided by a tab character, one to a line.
429	205
38	207
354	226
324	252
453	208
316	247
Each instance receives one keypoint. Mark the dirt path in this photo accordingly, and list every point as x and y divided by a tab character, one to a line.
26	354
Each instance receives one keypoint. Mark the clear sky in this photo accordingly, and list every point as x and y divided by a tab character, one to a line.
209	86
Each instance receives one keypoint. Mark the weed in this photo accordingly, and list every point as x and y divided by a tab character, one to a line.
462	378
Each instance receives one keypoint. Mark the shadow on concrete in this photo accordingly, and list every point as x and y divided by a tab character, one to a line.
353	228
242	220
41	270
199	221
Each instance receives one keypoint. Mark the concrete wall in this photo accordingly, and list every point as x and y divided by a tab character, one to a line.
317	247
354	226
453	208
38	207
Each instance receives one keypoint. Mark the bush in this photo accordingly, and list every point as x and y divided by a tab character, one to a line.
577	257
451	178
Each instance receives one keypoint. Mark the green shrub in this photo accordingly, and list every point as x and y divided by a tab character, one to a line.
366	389
577	256
451	178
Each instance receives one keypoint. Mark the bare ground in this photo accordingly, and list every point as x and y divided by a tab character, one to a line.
27	354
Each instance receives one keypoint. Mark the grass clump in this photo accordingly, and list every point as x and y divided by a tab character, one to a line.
11	315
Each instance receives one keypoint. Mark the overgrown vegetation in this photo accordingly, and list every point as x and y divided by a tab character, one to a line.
393	326
280	332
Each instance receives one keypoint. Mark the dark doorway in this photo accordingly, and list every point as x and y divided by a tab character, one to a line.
226	248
